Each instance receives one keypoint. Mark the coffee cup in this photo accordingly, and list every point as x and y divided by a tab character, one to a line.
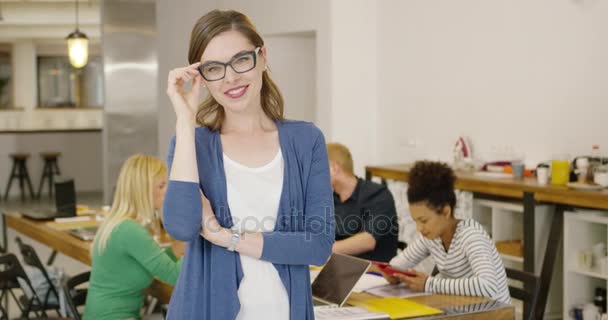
542	175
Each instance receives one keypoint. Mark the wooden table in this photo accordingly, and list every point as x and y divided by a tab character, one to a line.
467	304
530	192
80	250
69	245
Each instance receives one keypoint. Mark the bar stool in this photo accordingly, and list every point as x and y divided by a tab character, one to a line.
50	169
19	171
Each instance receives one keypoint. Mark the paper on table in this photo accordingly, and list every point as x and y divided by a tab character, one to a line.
369	281
313	275
394	290
347	313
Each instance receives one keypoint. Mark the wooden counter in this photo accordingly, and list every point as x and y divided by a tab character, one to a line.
529	192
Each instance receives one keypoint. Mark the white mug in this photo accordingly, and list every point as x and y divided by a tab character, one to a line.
601	178
591	312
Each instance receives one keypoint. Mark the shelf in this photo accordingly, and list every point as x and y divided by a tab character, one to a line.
511	206
591	273
595	217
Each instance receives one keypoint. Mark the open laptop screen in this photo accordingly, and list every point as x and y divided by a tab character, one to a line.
65	197
338	278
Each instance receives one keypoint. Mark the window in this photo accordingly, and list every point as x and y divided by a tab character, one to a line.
61	85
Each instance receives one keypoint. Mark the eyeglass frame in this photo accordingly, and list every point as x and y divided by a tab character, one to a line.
253	52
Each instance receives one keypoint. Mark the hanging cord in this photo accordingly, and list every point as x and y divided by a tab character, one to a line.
76	14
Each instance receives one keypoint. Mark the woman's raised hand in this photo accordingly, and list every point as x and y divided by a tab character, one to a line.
184	102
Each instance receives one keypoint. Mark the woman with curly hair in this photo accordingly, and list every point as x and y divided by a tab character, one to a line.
465	256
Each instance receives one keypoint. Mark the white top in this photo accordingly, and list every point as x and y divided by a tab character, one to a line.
470	267
253	197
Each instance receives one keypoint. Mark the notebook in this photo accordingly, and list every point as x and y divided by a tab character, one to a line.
398	308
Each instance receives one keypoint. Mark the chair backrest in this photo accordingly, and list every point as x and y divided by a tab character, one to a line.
528	293
10	273
31	259
76	297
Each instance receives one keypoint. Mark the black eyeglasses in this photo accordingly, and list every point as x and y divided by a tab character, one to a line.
241	63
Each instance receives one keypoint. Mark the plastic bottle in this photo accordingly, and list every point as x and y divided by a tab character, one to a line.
595	153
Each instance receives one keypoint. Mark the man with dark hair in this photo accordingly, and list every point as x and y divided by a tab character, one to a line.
366	219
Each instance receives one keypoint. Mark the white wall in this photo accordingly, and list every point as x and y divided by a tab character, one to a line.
174	25
526	76
278	16
401	80
354	73
292	63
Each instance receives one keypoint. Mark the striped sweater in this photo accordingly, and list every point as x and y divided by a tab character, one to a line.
470	267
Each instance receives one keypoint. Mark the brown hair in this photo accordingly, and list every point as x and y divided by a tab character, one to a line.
210	113
340	154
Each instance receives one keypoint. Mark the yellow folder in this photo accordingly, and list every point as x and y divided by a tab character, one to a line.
397	308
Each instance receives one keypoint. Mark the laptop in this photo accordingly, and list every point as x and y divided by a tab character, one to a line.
65	202
85	233
337	279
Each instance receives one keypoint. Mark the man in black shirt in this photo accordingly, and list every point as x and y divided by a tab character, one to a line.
366	219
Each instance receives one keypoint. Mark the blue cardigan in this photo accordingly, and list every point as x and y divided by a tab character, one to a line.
304	232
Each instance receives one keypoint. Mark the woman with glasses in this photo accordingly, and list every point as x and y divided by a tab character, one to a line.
248	190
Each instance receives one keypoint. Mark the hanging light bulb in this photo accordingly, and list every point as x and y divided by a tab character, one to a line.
78	46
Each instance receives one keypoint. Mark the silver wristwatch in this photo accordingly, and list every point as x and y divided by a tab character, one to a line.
234	241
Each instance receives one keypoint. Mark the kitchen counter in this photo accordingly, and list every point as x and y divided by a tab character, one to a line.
51	120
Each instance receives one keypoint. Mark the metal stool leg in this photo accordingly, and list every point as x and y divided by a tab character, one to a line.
10	180
44	172
26	178
51	178
56	167
21	176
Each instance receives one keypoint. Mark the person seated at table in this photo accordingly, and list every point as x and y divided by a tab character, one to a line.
465	256
125	256
366	218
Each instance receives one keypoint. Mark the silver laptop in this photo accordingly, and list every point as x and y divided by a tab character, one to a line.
337	279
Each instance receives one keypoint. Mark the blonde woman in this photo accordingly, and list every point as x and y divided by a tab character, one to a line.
124	254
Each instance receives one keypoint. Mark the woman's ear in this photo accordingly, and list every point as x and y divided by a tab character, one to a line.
264	54
447	211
